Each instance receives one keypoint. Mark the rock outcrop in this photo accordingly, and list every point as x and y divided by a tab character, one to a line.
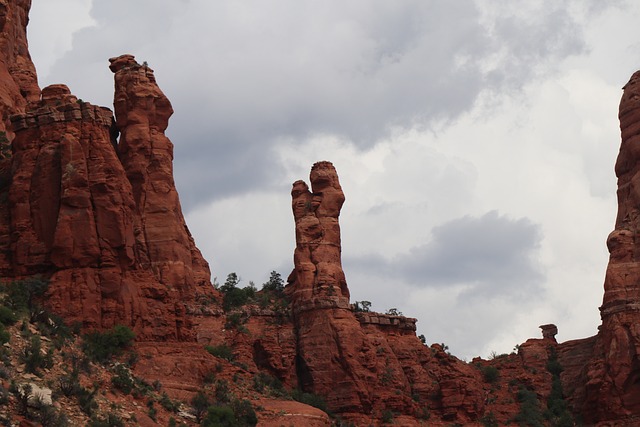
18	80
612	378
366	363
163	242
99	218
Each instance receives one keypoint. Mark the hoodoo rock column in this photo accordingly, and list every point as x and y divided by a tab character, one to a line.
329	336
163	241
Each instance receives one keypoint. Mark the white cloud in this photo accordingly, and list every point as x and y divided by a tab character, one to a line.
51	28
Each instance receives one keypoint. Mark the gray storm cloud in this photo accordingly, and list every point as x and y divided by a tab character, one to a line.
244	76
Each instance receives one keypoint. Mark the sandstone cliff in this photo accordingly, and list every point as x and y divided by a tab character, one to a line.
100	217
608	387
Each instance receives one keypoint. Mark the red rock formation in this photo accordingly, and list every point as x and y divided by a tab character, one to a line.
612	379
112	240
371	363
18	80
72	215
18	86
325	325
163	242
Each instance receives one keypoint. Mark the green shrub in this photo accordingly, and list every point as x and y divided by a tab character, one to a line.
309	399
222	351
362	306
23	294
234	321
33	358
244	413
153	412
223	394
387	417
238	413
233	296
102	346
168	404
7	316
68	385
122	380
489	420
265	383
22	394
530	414
490	374
275	283
49	416
5	336
557	409
200	403
86	400
111	420
219	416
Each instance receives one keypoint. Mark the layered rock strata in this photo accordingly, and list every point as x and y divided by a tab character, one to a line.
163	242
101	218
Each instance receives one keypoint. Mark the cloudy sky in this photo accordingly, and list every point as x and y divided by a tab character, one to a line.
475	141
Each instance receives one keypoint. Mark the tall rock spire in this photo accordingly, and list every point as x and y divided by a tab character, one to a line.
361	363
18	79
163	241
329	335
318	270
613	376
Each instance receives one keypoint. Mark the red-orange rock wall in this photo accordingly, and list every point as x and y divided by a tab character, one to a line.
18	80
72	220
163	242
612	377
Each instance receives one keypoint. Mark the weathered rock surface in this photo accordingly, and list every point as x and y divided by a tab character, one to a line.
163	242
612	377
102	219
368	363
72	219
18	80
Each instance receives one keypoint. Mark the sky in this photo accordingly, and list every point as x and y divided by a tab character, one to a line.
474	140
